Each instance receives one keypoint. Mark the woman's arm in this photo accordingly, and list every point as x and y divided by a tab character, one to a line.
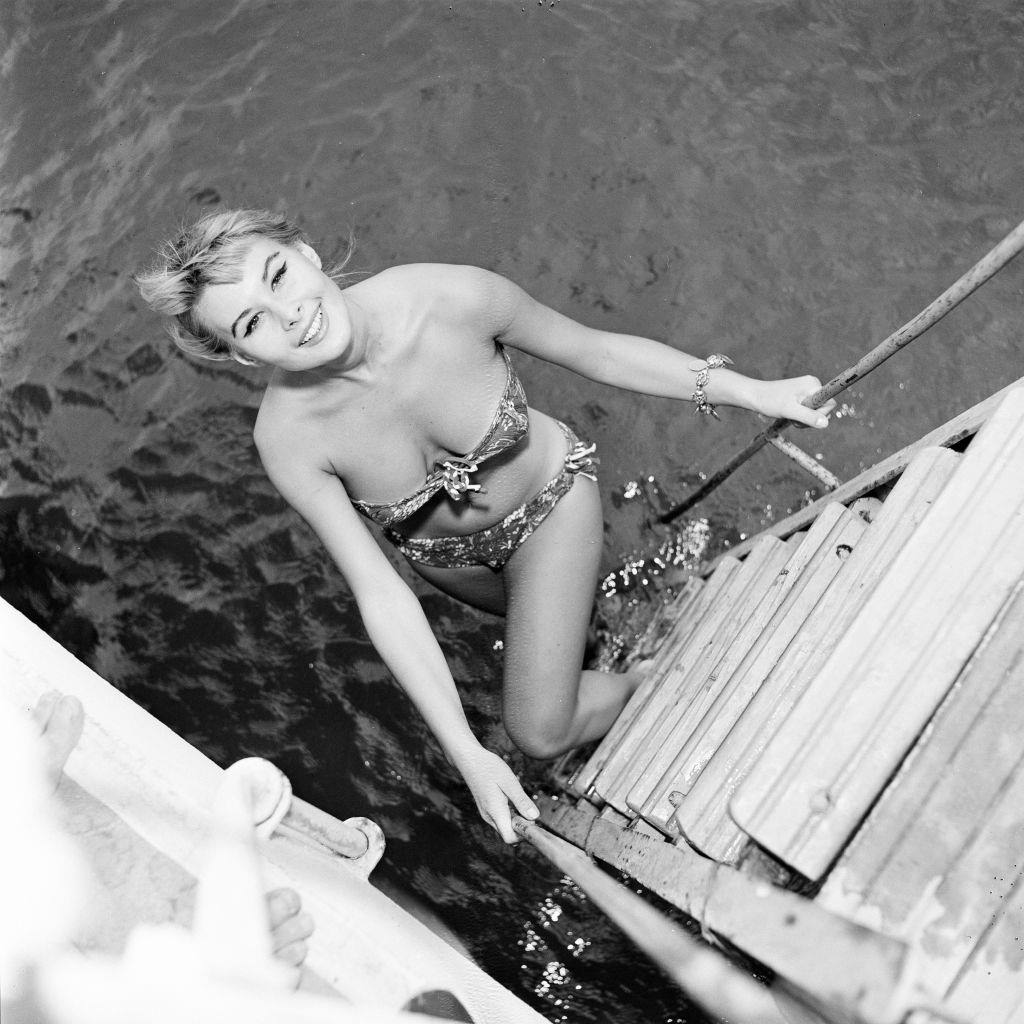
398	629
635	363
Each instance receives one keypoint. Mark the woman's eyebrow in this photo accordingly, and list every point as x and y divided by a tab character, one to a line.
266	270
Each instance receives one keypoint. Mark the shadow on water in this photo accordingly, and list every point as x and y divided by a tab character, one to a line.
784	181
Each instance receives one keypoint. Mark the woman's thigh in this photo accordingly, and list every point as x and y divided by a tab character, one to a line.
550	584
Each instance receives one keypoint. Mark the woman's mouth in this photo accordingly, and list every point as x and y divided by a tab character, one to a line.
316	328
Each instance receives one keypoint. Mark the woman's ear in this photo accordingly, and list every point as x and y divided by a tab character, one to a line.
310	253
244	360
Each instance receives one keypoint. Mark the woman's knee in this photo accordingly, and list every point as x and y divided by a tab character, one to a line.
538	741
541	729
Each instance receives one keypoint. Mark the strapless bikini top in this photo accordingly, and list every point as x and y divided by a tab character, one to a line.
454	475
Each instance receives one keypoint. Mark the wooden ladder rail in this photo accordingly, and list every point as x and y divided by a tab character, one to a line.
988	266
704	974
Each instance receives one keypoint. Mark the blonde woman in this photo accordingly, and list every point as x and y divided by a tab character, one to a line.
395	400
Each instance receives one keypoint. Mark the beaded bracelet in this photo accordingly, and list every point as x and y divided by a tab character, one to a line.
701	405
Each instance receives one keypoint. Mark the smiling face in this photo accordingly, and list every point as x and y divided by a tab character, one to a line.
283	311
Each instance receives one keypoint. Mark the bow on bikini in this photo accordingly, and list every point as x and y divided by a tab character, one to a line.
454	474
582	460
454	477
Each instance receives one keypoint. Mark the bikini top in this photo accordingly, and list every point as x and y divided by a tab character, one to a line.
453	475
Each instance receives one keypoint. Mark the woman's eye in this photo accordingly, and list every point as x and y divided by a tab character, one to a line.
276	280
251	325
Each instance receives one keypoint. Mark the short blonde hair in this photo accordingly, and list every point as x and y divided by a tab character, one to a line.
210	251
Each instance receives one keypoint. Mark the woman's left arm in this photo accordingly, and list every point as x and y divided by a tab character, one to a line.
641	364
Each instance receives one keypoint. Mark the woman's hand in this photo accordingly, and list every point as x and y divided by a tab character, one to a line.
783	399
494	785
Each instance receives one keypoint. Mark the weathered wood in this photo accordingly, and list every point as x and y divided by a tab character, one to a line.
656	801
991	988
704	974
704	814
852	971
939	799
937	861
950	433
570	819
975	894
735	578
716	629
807	462
821	772
855	969
693	606
742	675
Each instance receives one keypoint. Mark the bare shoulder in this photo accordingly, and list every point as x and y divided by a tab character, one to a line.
460	290
287	445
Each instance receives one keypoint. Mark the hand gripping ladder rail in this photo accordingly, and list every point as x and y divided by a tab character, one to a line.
986	267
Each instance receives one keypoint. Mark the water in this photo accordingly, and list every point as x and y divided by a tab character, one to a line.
782	181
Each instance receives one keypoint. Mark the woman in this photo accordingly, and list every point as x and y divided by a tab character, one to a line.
394	400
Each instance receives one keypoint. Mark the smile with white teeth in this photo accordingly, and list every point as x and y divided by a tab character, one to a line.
314	328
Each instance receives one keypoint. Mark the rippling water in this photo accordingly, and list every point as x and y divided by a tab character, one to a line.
782	181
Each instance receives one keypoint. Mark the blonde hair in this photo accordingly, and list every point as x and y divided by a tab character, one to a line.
210	251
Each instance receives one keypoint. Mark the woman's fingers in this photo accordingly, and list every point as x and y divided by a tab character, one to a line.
522	803
800	390
494	786
808	417
500	819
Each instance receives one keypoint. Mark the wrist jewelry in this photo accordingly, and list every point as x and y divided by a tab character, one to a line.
701	405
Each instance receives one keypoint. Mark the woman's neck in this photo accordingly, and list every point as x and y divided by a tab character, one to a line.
357	364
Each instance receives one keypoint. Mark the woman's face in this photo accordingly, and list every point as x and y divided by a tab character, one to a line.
284	310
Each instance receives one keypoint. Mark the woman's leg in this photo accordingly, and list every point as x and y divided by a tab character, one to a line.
550	704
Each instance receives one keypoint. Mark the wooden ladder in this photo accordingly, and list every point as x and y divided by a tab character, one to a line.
842	699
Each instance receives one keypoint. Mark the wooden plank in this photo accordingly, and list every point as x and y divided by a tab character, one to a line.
943	845
952	432
938	800
823	769
571	819
979	897
713	605
991	989
740	679
704	815
854	972
718	627
854	968
705	975
692	609
836	526
679	687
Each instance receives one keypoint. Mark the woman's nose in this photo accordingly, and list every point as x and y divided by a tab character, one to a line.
291	313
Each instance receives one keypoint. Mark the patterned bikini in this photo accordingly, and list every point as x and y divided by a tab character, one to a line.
494	545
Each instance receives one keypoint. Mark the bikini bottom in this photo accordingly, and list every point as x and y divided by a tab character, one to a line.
495	545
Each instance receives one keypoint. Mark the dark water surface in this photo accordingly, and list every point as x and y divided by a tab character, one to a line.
783	181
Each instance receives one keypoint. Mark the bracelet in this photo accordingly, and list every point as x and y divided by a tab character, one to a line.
701	405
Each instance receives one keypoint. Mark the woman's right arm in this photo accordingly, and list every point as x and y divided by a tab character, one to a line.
398	629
